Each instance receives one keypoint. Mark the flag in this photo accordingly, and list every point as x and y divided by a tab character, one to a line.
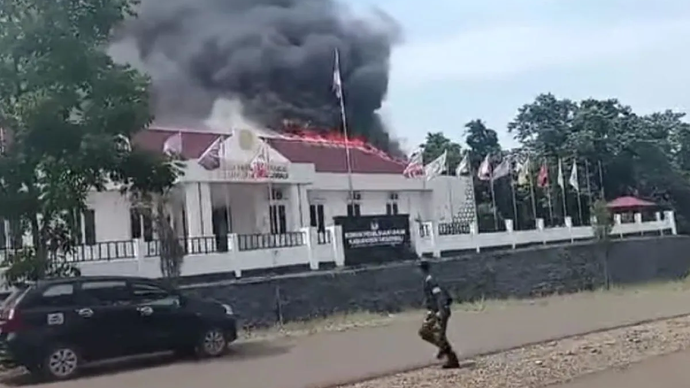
561	180
502	170
573	181
543	177
415	166
210	159
523	172
173	144
436	167
259	165
464	166
484	173
337	81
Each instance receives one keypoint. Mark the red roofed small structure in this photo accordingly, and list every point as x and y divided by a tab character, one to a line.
629	203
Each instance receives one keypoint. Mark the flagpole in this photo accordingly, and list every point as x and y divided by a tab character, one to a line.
601	180
450	191
474	197
271	211
515	207
531	188
589	187
562	184
577	191
225	190
548	192
343	117
493	204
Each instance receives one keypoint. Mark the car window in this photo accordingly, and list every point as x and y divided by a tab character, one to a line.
106	292
153	295
59	295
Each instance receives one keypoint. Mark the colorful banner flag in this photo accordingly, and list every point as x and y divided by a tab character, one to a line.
436	167
484	172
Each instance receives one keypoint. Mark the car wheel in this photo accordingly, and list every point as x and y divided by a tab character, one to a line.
212	343
61	362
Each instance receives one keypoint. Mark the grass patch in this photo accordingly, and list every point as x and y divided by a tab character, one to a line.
362	319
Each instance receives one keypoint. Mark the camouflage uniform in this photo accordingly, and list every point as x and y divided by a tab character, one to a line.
437	301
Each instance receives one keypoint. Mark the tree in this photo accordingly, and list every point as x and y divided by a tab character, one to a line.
436	143
68	112
603	223
482	141
645	155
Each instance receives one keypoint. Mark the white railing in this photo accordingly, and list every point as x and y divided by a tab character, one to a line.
430	241
308	247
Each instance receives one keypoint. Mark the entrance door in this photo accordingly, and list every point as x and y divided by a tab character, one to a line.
222	226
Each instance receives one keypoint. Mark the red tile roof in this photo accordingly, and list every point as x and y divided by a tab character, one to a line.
326	157
629	202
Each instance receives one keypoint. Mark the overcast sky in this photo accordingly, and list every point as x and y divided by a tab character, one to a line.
462	59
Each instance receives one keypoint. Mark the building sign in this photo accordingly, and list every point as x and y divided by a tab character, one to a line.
375	239
242	171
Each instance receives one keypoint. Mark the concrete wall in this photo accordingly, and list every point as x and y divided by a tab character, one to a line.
520	273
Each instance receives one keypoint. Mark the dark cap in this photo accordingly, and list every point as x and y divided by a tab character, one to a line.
424	264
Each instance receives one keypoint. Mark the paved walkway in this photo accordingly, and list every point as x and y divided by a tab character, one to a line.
670	371
327	358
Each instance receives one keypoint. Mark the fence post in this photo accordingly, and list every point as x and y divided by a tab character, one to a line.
308	235
540	228
509	230
618	221
139	254
569	225
474	230
234	252
336	232
436	249
671	219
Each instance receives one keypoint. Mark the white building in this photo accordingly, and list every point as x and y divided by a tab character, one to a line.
229	224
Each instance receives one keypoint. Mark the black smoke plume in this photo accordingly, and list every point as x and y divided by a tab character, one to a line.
275	56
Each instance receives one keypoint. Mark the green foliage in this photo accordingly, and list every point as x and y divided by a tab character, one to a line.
482	141
436	144
68	112
603	220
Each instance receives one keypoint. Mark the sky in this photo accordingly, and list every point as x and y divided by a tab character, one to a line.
460	60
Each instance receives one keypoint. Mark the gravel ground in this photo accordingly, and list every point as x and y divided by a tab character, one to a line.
551	363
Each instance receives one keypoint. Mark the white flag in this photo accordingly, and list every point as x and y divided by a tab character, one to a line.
523	171
173	144
484	173
337	81
464	166
210	159
502	170
561	180
436	167
573	181
415	166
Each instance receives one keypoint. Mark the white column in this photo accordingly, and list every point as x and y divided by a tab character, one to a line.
198	208
296	210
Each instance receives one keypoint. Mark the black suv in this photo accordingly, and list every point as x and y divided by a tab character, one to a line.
52	327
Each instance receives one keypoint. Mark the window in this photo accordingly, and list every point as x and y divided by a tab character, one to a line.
106	292
353	210
152	294
316	217
392	208
58	295
141	224
278	219
90	227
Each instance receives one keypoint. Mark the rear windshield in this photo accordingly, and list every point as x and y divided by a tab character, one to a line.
17	293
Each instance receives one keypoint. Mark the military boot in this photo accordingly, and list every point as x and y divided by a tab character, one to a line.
452	361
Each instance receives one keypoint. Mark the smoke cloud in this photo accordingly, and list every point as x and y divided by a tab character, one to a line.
274	57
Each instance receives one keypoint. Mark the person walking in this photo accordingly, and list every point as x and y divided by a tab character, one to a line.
437	301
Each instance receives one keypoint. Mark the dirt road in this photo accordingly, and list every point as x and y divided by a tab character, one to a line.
669	371
332	358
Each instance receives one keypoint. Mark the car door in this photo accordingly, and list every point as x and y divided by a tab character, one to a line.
163	317
115	327
52	314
